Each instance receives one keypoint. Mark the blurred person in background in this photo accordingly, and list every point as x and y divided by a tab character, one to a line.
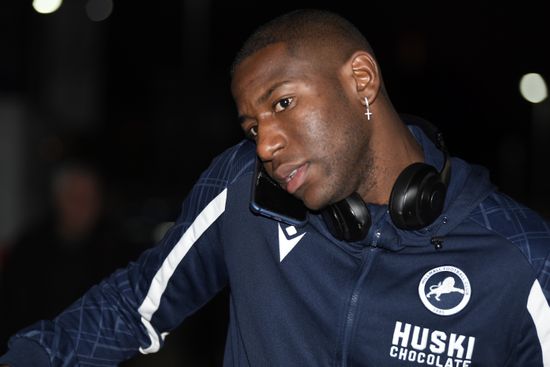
61	255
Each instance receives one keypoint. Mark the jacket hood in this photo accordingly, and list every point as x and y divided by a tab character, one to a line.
468	186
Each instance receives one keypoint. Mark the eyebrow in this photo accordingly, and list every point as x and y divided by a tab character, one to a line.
241	119
264	97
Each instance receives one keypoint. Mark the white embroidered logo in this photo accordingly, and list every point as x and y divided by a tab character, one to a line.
287	240
444	287
431	347
445	290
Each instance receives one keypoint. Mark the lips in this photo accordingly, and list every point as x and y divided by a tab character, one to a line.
291	177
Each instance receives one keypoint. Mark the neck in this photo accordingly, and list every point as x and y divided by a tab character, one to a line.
394	148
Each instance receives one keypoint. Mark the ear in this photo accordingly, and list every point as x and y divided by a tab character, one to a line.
366	76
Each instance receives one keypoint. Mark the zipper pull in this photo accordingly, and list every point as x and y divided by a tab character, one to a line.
375	238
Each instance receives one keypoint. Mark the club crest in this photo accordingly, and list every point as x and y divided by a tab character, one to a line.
445	290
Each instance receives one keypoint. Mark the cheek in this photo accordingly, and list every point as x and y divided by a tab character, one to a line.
341	150
328	137
332	139
334	135
316	129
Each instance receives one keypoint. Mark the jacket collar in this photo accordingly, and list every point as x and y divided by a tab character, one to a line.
468	186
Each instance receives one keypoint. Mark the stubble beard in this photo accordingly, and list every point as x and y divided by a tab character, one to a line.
358	177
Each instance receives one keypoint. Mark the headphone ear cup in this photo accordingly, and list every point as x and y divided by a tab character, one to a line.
333	219
417	197
348	219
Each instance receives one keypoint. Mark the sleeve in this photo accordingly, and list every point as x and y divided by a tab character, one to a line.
136	307
533	345
525	228
544	276
530	233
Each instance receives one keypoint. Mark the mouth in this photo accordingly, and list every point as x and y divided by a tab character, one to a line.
291	176
294	179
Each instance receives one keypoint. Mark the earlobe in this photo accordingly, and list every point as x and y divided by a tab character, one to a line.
366	76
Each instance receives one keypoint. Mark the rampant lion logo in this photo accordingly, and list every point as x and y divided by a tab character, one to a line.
444	287
447	281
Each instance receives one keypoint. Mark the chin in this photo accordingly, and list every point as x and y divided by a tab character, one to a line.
314	207
314	202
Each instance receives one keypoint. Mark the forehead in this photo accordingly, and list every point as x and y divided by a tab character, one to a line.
269	65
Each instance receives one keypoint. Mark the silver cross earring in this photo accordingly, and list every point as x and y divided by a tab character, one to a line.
368	113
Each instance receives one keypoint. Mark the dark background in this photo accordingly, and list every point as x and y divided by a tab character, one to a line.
144	95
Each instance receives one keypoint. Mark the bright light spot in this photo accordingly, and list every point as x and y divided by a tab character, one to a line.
99	10
46	6
533	88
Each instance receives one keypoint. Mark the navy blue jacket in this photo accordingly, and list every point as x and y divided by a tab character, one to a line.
472	289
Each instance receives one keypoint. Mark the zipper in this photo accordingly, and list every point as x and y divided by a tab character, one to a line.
354	299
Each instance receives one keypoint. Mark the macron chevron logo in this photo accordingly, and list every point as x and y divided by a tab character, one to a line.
287	240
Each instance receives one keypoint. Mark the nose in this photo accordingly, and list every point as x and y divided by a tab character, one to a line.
271	139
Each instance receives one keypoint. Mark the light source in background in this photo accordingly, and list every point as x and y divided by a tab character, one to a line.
46	6
533	88
98	10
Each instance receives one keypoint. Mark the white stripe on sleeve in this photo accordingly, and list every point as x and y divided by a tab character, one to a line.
540	312
159	283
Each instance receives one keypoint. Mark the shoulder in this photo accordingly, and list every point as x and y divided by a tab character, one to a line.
230	164
514	221
224	171
520	225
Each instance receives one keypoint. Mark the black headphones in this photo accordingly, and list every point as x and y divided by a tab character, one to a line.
416	199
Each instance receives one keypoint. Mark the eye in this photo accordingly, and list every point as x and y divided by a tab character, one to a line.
282	104
252	132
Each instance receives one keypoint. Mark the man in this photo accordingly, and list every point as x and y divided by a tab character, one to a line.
438	269
70	248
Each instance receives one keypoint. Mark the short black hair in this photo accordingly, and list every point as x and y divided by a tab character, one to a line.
303	28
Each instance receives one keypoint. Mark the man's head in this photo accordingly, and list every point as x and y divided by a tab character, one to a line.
300	83
77	199
306	30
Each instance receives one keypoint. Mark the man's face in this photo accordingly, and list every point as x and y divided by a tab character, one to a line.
78	202
307	123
